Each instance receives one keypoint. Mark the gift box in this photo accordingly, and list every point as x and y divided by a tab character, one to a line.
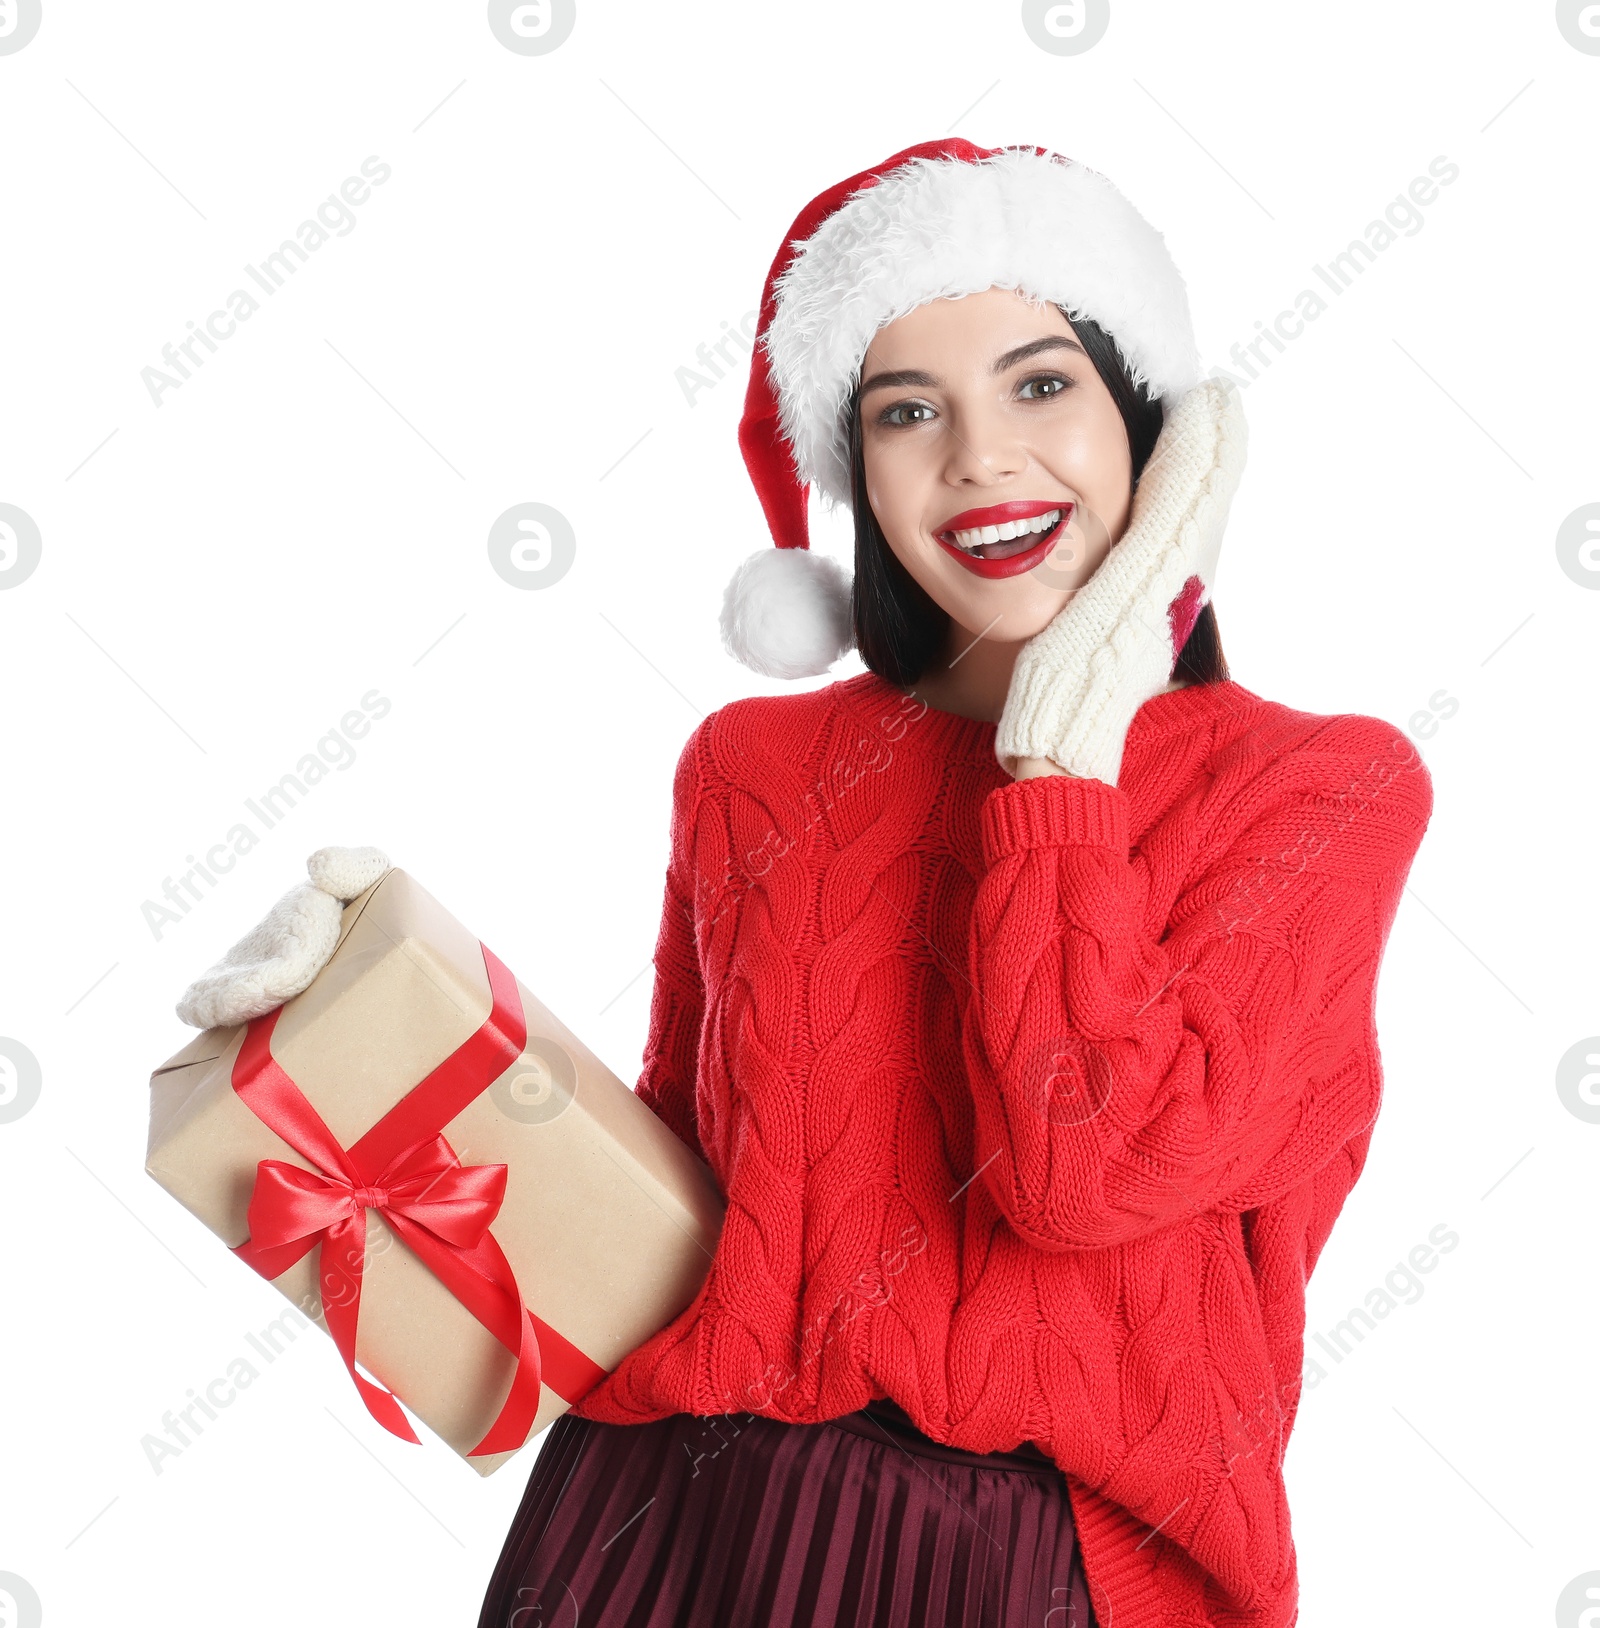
424	1158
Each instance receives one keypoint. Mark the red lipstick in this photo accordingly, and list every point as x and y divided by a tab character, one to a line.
1010	565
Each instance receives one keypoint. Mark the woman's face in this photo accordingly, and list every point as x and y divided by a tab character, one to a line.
985	412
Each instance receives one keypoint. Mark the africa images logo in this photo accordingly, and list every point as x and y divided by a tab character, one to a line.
19	22
335	217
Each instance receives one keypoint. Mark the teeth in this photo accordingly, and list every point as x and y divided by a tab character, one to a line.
980	535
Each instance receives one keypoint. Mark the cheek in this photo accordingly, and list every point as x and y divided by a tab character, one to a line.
1092	460
895	490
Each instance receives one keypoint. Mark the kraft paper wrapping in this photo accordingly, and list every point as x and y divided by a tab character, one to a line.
609	1221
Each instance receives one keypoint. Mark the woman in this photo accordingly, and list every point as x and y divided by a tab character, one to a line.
1018	991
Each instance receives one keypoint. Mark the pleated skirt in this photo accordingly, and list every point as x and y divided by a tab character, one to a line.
741	1521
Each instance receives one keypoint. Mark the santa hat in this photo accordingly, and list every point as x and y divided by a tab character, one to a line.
936	221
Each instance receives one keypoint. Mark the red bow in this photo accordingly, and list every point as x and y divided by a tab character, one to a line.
404	1168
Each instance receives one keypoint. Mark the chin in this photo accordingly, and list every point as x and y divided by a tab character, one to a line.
1025	607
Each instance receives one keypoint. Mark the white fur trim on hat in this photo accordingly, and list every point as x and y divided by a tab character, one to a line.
281	955
786	613
1045	225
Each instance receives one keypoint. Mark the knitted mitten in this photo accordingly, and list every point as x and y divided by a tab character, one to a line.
1078	683
279	957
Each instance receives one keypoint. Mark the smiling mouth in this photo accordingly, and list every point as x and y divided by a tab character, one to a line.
1032	534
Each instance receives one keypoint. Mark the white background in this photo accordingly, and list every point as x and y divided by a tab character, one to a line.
224	575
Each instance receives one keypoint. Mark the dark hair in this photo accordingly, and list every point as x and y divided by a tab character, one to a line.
900	630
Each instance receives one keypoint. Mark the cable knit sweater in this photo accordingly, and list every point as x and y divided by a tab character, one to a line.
1033	1102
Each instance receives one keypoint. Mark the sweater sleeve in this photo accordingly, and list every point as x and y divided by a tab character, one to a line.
1128	1073
677	1002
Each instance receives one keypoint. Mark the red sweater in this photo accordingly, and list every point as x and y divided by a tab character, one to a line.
1033	1102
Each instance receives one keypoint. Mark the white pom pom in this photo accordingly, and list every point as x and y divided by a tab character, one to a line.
786	613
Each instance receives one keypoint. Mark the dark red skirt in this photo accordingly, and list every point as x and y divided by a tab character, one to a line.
741	1521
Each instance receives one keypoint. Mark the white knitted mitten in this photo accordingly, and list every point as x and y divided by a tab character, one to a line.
281	955
1114	645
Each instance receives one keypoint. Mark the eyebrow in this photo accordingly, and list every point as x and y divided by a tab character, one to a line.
914	377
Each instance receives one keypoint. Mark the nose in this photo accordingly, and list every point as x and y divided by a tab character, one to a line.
983	449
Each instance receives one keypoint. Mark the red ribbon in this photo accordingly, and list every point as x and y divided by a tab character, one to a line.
404	1168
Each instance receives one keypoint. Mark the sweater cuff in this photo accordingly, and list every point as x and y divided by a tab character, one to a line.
1054	810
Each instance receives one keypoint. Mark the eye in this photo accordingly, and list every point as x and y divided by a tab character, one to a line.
1060	382
888	415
